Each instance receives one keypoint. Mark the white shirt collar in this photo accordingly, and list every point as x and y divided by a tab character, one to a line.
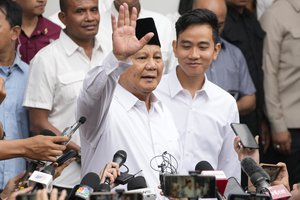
70	46
128	100
176	87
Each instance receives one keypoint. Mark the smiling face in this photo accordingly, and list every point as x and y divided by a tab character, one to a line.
145	73
195	50
81	19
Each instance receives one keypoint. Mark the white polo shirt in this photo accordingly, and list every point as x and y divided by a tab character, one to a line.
203	122
56	75
120	121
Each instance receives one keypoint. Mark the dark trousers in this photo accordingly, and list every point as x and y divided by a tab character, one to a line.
292	161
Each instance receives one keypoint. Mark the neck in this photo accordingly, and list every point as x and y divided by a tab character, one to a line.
87	44
190	83
7	58
29	23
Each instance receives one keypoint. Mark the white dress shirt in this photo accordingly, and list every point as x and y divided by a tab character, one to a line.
203	122
118	120
56	75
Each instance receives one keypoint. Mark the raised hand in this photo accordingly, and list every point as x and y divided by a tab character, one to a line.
125	43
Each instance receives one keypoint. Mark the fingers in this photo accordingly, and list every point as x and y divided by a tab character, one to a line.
19	192
144	40
53	194
126	15
121	17
113	23
63	195
59	140
133	17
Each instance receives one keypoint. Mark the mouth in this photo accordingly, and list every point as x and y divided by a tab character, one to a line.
148	77
90	27
194	64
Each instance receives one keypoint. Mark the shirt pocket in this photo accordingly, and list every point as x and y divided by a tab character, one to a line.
69	86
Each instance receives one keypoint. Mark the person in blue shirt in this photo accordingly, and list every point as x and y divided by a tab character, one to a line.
14	72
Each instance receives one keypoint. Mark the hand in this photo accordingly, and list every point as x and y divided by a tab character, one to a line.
19	192
43	195
282	142
11	185
296	192
245	152
2	90
111	171
283	176
44	147
125	43
59	169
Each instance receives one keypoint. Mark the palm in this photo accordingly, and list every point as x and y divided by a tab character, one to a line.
125	43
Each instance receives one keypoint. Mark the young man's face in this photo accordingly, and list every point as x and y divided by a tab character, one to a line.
195	50
81	19
32	7
145	73
7	33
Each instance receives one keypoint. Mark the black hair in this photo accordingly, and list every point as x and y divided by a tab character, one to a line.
185	6
200	17
12	12
63	5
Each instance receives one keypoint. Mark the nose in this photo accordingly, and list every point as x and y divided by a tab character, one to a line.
151	64
89	16
194	53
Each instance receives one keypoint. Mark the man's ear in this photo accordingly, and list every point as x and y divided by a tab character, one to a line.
174	45
15	32
62	17
217	50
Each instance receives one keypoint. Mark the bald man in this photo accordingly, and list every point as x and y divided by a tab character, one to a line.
229	70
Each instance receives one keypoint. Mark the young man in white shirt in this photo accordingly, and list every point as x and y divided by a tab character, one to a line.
202	111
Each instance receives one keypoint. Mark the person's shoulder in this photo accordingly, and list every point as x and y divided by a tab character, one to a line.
217	92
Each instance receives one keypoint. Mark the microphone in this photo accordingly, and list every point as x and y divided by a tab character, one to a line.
42	179
86	187
206	169
119	158
261	180
138	185
69	131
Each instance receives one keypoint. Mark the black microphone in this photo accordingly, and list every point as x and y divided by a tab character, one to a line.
206	166
88	184
138	182
69	131
258	177
119	158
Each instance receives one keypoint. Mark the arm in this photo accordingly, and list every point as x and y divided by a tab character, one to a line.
246	104
98	86
271	56
38	148
39	121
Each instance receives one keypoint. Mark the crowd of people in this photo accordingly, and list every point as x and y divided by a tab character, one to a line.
147	85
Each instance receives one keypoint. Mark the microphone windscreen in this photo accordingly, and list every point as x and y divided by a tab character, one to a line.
120	157
91	179
82	120
203	166
47	132
138	182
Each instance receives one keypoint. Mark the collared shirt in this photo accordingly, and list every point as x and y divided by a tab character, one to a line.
119	120
44	33
243	30
203	122
13	116
230	71
165	30
261	6
282	64
56	76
